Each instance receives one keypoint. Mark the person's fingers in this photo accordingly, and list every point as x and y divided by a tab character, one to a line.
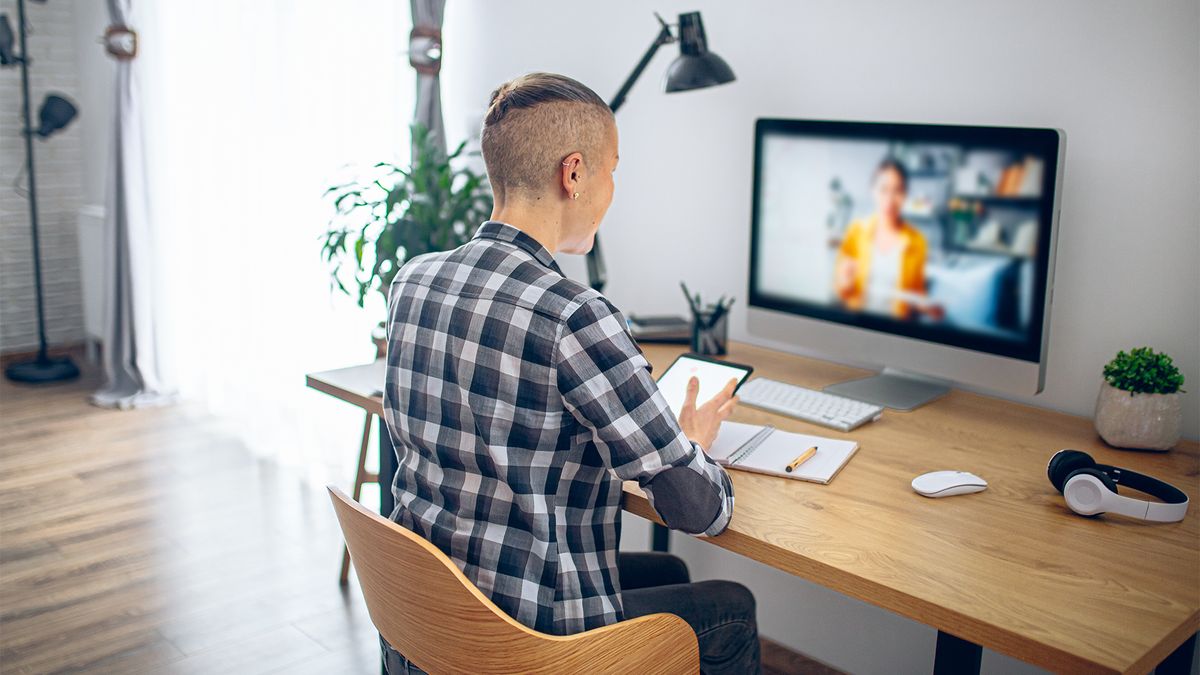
726	393
685	418
727	409
693	389
730	387
722	396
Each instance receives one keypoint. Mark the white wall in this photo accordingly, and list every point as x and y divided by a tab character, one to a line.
96	71
1122	78
59	176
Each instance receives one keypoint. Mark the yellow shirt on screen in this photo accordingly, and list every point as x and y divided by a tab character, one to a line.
858	245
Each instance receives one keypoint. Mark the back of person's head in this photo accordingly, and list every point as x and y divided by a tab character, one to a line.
533	122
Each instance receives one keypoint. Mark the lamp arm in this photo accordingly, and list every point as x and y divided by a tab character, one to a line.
596	270
664	37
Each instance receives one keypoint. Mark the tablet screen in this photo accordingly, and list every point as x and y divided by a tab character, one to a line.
713	376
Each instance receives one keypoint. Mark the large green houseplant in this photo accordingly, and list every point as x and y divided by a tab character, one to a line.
394	214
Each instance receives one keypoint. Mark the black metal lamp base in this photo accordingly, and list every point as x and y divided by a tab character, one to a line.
42	370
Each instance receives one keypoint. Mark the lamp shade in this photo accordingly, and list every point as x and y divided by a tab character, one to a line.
56	112
7	56
695	67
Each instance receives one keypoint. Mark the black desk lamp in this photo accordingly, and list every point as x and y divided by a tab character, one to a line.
694	68
55	113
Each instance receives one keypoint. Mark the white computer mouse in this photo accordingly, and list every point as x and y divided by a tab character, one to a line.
948	484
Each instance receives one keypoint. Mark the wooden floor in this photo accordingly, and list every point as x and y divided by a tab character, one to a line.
151	541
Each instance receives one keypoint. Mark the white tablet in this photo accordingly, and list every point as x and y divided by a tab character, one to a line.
713	374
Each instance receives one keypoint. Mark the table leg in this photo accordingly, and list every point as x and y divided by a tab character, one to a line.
660	538
1179	662
388	464
361	475
955	656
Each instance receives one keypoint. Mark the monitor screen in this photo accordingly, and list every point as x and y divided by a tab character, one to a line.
940	233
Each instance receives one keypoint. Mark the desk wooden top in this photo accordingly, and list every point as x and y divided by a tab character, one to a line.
1010	568
357	385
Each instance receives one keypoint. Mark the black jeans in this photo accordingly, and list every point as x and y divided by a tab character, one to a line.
721	612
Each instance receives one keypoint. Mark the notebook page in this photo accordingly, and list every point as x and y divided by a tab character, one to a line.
782	447
731	437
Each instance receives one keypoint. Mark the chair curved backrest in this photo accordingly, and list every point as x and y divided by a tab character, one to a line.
429	611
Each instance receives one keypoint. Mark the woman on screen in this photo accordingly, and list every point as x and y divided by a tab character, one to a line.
880	265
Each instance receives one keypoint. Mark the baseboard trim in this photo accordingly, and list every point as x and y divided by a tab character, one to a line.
778	659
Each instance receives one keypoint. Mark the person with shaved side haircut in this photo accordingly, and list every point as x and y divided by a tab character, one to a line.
518	402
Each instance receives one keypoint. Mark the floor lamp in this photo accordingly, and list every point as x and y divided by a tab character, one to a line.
55	113
694	68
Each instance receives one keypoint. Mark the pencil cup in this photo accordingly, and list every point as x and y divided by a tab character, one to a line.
710	337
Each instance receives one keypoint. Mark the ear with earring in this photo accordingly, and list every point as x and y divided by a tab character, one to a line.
576	195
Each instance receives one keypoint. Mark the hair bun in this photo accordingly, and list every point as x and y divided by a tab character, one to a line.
500	103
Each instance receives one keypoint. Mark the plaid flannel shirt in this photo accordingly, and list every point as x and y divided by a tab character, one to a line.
517	402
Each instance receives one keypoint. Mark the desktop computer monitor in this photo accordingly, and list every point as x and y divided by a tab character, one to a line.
927	250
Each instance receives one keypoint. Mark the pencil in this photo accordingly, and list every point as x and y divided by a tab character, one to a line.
804	457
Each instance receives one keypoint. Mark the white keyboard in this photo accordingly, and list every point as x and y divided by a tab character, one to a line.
835	412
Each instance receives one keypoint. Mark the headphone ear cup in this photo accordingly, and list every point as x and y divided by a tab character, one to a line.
1065	463
1108	482
1082	495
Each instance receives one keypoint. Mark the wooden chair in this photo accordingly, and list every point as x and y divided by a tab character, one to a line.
427	609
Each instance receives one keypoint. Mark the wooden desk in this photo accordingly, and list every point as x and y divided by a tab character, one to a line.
356	385
1011	568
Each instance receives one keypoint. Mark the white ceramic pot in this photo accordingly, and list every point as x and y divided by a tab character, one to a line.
1138	421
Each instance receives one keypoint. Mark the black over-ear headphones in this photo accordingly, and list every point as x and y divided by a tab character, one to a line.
1091	489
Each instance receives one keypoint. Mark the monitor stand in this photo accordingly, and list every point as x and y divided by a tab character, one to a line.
892	389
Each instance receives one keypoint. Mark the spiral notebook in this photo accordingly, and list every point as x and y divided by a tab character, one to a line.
768	450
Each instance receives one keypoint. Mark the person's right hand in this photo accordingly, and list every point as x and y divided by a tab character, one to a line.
701	424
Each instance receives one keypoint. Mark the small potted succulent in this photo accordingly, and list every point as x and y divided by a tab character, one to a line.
1140	405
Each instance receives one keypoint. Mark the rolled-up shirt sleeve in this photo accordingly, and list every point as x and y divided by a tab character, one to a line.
605	383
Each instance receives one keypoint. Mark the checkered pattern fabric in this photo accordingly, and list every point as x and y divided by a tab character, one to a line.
517	402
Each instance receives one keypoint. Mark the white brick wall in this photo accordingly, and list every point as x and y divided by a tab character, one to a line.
53	50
